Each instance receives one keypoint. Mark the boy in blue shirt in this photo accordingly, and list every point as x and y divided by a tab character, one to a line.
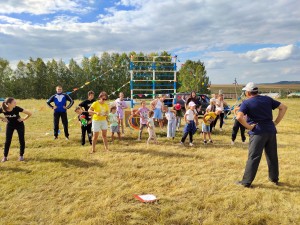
60	110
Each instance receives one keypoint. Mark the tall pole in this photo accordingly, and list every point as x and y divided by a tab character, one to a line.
235	83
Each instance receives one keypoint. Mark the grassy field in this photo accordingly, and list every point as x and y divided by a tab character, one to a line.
61	183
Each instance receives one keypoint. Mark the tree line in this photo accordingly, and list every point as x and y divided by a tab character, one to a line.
37	79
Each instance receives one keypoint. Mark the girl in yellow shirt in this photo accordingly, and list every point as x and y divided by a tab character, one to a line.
99	110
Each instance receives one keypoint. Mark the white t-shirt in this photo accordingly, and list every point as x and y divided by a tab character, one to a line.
170	115
219	105
158	104
190	114
151	122
208	109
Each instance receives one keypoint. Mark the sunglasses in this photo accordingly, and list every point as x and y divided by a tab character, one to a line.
104	99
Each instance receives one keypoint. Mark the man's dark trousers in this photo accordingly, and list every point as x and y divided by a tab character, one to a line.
257	143
64	120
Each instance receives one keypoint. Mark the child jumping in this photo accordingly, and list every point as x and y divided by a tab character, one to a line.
190	126
114	119
86	124
151	128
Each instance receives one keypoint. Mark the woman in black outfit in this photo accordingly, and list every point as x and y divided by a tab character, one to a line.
14	122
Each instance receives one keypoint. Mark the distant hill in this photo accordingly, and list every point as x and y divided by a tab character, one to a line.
283	82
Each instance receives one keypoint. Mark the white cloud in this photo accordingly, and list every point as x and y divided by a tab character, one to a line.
181	27
38	7
274	54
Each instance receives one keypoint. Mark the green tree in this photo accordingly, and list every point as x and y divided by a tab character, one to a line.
192	77
5	74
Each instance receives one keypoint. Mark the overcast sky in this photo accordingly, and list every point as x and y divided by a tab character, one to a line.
249	40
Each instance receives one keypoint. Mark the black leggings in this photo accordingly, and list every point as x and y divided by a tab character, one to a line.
235	130
221	116
9	134
64	120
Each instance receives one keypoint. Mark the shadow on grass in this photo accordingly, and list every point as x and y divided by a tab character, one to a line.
72	162
146	151
15	170
282	186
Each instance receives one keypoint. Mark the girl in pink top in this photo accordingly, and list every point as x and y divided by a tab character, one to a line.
121	104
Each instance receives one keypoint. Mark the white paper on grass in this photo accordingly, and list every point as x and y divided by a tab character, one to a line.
148	197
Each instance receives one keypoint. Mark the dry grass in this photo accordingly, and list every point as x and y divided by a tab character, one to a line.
61	183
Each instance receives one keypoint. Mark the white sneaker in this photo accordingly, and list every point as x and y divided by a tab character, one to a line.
138	139
191	144
232	142
181	143
244	143
221	129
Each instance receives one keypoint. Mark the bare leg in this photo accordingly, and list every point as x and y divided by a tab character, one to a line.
104	137
122	125
94	141
112	136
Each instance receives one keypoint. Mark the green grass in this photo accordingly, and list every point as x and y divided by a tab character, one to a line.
61	183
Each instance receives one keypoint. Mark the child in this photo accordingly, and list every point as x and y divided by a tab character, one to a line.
220	103
114	119
157	107
171	117
211	108
143	112
151	131
86	124
208	118
179	115
190	126
121	104
14	122
237	126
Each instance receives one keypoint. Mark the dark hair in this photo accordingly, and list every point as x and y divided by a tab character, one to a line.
103	93
254	91
91	93
192	94
6	101
150	113
113	107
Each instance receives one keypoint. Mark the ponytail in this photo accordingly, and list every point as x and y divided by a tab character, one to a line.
6	101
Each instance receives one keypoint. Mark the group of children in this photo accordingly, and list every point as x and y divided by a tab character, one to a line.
94	117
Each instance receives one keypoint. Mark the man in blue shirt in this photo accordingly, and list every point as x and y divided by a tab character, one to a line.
262	132
60	110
